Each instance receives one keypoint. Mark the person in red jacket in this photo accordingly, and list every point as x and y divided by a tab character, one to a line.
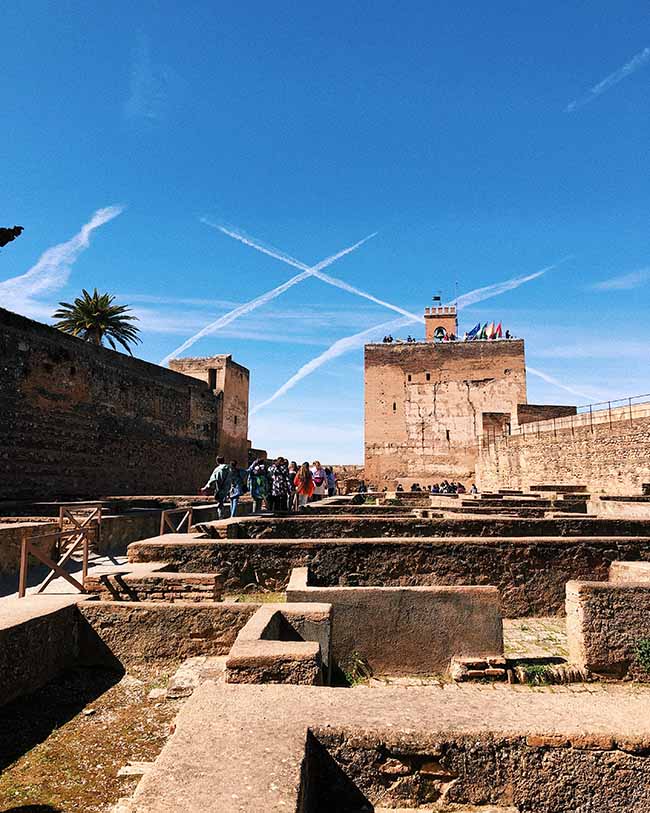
304	483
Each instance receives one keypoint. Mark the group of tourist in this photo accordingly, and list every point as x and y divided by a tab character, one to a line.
277	485
445	487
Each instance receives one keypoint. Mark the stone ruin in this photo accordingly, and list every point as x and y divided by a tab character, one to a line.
392	667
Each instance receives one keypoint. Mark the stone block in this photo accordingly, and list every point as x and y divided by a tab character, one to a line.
275	646
407	630
605	623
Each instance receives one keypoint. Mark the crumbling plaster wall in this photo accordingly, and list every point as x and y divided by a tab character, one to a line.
424	405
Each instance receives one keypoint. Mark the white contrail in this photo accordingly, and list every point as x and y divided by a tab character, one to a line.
550	380
52	270
247	307
316	269
637	61
358	339
337	349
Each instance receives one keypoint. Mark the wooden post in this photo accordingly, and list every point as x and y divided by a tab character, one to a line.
24	564
84	569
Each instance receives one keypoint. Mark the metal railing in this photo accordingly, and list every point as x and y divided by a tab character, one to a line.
587	415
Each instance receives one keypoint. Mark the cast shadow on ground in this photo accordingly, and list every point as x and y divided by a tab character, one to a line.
29	720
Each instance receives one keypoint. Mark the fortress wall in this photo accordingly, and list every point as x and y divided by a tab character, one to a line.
424	405
230	383
77	420
612	459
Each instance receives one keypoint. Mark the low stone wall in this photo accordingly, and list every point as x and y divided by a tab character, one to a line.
38	640
117	632
530	574
119	530
407	630
622	507
349	526
606	621
283	644
11	534
629	572
158	586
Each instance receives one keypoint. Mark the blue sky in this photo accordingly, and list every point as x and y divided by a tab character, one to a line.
482	142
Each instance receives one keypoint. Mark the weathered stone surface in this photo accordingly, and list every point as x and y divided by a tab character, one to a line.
407	630
128	632
629	572
38	640
83	420
157	586
323	527
424	401
530	573
11	534
471	742
608	458
605	623
283	643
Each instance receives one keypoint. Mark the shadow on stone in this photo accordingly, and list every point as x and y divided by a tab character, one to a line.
28	721
325	786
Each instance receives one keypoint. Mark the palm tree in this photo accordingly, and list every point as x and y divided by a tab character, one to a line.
95	318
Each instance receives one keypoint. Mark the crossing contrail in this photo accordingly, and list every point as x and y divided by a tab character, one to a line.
315	270
638	61
550	380
358	339
247	307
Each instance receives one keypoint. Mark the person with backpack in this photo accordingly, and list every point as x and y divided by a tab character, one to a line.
280	488
258	484
237	487
220	481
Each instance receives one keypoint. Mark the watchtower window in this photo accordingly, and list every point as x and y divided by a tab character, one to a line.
428	376
408	377
394	407
235	420
212	379
447	431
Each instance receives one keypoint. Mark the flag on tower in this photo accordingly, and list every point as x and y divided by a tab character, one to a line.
498	333
474	331
490	331
483	333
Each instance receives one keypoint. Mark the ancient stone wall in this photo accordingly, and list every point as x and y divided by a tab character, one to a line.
77	420
607	458
606	622
531	574
424	405
230	383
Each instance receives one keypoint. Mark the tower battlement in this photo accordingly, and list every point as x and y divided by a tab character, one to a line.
440	321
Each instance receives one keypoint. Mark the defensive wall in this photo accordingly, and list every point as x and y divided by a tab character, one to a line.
81	420
424	405
230	383
608	450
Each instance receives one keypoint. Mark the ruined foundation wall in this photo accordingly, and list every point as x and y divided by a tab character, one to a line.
424	405
611	459
83	421
531	574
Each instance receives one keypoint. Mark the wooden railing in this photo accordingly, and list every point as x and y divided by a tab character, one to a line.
167	523
85	530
